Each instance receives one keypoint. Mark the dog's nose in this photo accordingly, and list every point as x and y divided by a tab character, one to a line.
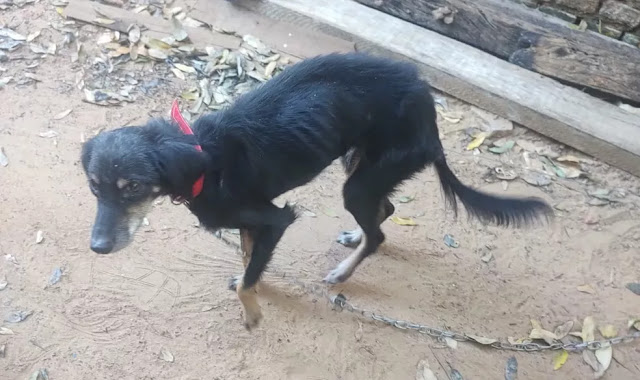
101	245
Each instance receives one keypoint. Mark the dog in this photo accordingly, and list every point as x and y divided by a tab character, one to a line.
376	114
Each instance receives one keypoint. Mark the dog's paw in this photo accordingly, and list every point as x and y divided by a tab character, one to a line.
233	282
350	238
252	319
337	276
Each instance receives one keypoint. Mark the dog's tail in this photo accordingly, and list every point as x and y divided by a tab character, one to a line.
502	211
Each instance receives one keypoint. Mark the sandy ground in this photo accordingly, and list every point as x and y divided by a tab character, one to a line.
113	316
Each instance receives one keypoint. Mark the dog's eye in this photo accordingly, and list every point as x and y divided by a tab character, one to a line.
133	187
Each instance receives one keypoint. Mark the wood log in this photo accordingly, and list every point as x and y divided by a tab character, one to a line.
290	39
560	112
529	39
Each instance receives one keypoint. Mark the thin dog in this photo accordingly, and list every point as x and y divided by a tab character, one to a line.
375	114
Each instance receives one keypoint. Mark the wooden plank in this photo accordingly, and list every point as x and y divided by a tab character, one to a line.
537	102
531	40
224	15
157	27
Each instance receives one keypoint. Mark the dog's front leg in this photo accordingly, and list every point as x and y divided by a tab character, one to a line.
257	245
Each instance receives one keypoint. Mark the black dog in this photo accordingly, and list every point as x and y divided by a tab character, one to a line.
374	113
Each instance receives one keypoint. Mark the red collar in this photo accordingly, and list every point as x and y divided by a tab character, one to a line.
186	129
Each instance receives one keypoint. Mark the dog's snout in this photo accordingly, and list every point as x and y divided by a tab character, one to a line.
102	245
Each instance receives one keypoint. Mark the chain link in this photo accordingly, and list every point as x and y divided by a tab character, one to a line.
339	302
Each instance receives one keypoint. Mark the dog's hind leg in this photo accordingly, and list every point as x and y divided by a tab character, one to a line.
259	242
366	198
350	161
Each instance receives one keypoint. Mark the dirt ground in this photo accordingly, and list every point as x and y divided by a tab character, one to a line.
114	316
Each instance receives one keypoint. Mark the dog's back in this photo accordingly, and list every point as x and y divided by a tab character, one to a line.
293	126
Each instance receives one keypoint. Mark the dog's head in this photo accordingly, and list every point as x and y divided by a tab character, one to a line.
128	168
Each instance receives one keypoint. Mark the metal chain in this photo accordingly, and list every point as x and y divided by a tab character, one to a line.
340	302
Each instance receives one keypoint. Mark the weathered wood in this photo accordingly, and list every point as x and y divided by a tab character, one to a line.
531	40
537	102
226	15
87	11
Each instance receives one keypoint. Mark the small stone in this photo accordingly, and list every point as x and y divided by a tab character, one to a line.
632	39
611	31
620	14
582	7
566	16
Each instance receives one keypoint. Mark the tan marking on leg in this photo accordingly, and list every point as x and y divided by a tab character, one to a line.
121	183
249	299
246	246
345	269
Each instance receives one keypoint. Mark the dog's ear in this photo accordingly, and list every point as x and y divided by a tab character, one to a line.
85	155
180	165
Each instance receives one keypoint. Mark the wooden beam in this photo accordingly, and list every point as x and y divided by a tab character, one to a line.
89	12
537	102
530	39
290	39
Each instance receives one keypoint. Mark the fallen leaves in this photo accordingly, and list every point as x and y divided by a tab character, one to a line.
40	234
5	331
563	330
511	369
403	221
587	288
588	330
608	331
634	287
62	114
559	360
17	316
40	374
4	160
450	241
3	283
424	372
477	141
481	339
166	355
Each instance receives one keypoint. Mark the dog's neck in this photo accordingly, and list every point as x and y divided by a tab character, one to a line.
177	117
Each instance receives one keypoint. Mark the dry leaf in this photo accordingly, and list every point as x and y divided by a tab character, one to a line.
481	339
586	289
511	369
192	23
5	32
39	236
3	283
563	330
451	343
62	114
104	21
48	134
33	36
268	71
424	372
560	359
166	355
543	334
588	330
191	94
5	331
359	332
477	141
178	31
4	160
185	68
604	356
608	331
33	77
633	322
535	324
590	358
180	75
403	221
157	54
134	33
206	308
4	81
